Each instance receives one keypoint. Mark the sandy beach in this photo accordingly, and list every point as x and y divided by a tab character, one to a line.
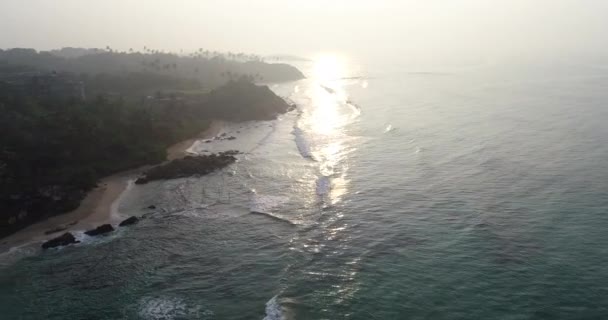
100	204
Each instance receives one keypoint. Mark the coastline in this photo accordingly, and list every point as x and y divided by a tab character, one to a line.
99	204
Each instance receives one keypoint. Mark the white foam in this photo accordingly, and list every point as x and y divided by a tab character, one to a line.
114	212
168	309
265	203
389	128
84	239
194	147
273	310
302	143
80	236
15	254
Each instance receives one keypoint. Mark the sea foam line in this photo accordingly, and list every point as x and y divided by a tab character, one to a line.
273	310
301	143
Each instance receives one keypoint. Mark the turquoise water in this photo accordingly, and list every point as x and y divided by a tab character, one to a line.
476	192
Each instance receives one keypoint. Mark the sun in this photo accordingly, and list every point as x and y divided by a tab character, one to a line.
328	68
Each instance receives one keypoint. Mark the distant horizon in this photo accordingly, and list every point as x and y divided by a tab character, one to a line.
406	30
598	57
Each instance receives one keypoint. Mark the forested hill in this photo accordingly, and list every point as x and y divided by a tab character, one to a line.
86	117
209	68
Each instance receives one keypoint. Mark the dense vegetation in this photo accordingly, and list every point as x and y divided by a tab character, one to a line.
55	144
210	69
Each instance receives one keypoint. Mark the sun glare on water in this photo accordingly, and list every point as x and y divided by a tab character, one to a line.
327	119
327	95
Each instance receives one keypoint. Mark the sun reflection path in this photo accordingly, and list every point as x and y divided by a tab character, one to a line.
323	137
328	95
327	119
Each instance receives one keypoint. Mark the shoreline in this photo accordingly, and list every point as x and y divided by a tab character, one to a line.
99	205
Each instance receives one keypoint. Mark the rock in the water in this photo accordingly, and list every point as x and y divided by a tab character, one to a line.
151	207
189	166
63	240
100	230
129	221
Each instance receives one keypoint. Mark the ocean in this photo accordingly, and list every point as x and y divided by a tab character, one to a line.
473	191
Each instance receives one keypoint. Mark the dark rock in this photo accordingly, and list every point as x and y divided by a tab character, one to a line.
129	221
229	153
100	230
188	166
152	207
63	240
231	138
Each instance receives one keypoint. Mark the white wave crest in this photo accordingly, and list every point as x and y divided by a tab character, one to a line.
389	128
17	253
168	309
264	203
273	310
302	143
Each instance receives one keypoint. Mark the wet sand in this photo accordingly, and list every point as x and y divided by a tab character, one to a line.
100	205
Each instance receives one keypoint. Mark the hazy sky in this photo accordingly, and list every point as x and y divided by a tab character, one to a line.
357	27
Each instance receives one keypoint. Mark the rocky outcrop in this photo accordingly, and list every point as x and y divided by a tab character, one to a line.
129	221
63	240
242	100
103	229
189	166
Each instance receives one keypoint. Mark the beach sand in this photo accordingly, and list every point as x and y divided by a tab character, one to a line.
99	206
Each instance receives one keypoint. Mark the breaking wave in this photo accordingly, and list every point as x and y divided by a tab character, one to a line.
302	143
273	310
169	309
265	203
